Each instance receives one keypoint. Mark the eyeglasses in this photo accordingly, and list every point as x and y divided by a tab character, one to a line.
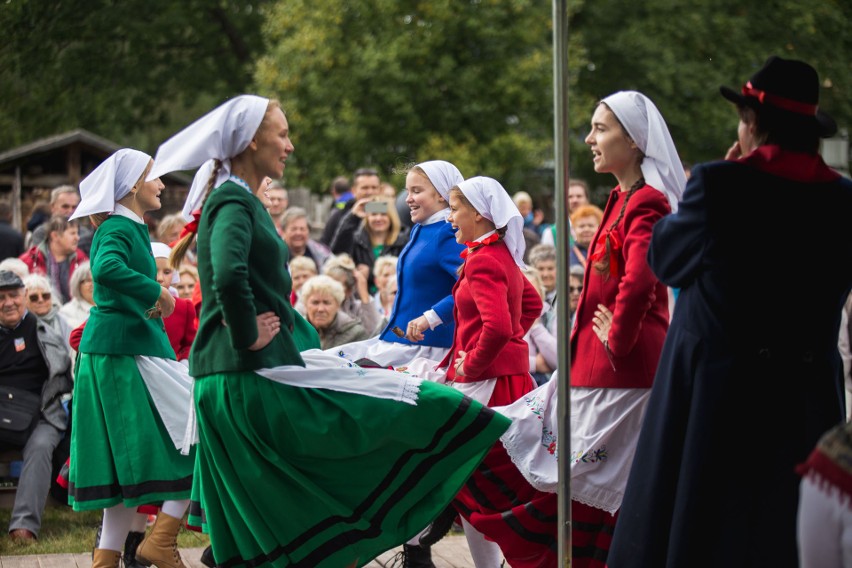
573	289
38	297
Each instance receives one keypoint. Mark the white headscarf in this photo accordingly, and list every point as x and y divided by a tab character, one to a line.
111	181
220	134
661	168
443	175
492	202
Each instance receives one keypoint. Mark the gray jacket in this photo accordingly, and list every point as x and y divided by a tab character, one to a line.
344	329
57	357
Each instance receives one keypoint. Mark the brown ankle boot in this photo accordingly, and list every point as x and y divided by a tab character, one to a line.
160	546
103	558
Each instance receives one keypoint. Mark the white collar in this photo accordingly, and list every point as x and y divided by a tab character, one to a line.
125	212
438	216
485	236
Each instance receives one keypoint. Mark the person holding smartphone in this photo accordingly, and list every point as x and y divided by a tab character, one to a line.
372	230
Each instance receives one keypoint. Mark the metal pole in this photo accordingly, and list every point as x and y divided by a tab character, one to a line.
560	105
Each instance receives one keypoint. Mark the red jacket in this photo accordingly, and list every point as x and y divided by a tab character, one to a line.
495	306
181	327
36	261
638	301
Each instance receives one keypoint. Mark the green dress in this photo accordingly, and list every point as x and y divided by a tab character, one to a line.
121	451
288	475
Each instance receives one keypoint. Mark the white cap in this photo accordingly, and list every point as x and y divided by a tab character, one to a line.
493	202
111	181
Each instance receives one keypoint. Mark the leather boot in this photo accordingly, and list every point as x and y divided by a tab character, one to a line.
130	546
103	558
417	556
160	546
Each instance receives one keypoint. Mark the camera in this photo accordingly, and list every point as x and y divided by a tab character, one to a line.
376	207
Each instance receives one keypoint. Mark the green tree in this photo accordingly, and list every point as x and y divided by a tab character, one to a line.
679	53
389	83
132	71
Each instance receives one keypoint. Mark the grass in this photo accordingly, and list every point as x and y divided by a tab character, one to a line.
64	531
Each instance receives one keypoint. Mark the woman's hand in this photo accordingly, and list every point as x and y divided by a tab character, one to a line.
358	209
734	152
459	363
166	302
268	326
602	323
415	330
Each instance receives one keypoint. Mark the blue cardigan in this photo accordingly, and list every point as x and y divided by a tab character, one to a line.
426	273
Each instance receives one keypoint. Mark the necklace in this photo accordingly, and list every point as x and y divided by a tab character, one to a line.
240	182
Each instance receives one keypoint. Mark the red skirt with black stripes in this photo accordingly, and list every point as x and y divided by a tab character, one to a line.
501	504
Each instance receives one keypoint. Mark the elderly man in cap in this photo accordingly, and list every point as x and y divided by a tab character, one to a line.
35	359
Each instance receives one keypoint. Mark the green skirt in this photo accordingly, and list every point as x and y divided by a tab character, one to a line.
120	449
289	476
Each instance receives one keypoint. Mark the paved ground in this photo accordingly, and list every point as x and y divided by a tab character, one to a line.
451	552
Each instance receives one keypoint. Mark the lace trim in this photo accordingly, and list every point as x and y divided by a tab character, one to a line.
409	390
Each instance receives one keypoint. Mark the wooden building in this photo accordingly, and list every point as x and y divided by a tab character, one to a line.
28	173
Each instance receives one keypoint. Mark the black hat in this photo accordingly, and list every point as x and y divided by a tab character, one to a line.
787	85
9	279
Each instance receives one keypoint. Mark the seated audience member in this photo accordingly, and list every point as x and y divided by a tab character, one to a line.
169	228
301	268
64	200
297	236
543	258
387	296
542	344
383	270
76	310
575	288
11	239
33	358
356	301
322	296
58	256
279	201
41	302
187	277
15	265
585	222
578	195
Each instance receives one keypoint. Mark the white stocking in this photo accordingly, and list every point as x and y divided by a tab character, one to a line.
116	525
485	554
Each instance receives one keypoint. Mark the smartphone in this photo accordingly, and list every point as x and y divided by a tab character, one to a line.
376	207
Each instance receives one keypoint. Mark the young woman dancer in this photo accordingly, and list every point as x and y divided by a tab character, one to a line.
618	334
495	306
124	442
301	461
420	325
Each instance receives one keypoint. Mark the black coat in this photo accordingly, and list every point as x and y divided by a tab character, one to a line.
11	241
749	377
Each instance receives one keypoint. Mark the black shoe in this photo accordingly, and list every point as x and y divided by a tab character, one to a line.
131	543
439	527
207	558
416	556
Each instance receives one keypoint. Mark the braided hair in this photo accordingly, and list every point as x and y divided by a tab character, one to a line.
602	266
184	243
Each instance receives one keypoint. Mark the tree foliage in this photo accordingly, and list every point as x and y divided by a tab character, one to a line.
129	70
388	83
